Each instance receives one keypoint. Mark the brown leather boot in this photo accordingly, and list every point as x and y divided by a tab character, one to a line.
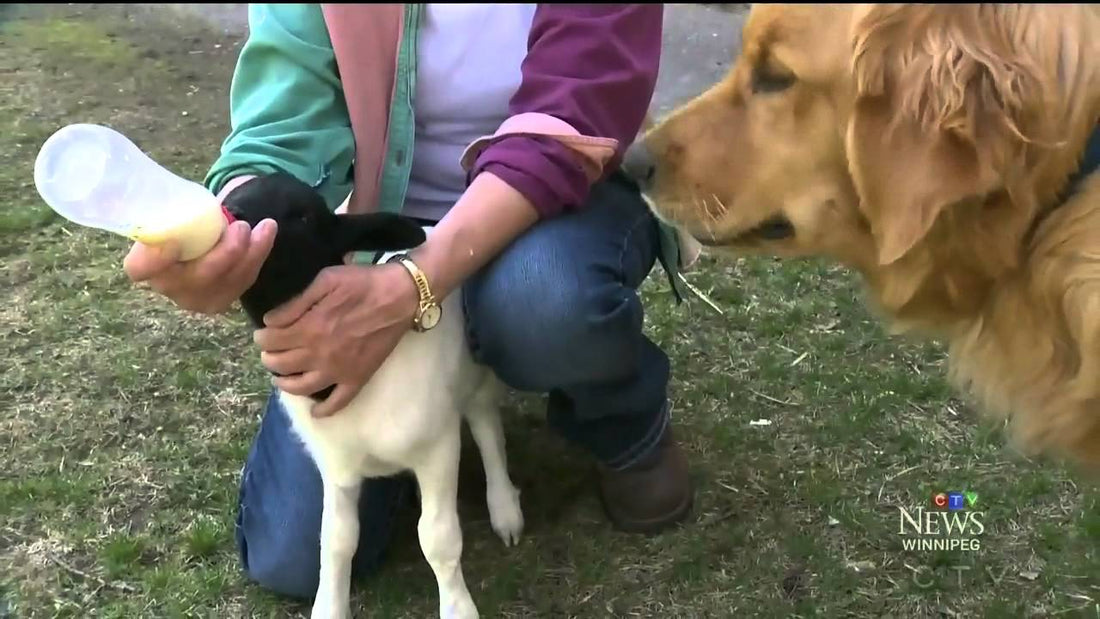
652	494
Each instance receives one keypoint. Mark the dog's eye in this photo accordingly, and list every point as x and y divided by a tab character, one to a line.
764	82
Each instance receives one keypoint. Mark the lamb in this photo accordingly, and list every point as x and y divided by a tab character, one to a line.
392	425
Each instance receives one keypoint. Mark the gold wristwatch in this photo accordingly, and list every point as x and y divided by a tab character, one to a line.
429	311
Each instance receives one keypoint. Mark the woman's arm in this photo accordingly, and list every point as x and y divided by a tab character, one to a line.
489	216
586	84
589	75
287	114
286	105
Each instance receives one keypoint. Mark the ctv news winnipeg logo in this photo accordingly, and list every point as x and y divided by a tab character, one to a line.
949	523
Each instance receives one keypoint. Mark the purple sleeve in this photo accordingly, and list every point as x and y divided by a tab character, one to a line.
593	66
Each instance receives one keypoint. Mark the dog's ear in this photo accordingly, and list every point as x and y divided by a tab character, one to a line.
907	177
944	98
377	232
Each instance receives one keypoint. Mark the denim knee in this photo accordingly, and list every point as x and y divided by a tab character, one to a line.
281	549
542	323
286	564
285	571
279	513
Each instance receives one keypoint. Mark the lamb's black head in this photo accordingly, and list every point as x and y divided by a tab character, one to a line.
310	237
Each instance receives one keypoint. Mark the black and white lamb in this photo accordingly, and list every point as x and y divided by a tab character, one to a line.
407	417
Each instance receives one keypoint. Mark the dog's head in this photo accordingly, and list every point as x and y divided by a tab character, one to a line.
916	143
310	237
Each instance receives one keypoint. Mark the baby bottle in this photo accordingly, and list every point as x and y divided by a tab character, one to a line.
96	177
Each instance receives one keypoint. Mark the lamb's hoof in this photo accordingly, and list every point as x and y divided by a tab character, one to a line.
505	514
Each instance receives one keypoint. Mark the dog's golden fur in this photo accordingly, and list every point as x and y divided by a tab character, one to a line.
928	147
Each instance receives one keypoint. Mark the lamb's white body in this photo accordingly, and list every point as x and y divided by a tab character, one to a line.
409	417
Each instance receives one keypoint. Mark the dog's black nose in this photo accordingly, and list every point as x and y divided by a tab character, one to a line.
638	164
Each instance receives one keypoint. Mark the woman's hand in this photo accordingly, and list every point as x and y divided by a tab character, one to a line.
342	328
211	283
339	331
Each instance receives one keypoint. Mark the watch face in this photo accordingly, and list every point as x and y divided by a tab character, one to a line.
431	316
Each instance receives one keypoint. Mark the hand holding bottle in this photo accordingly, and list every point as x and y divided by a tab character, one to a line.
209	284
185	249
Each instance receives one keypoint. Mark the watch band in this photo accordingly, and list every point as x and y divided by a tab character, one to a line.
418	276
423	289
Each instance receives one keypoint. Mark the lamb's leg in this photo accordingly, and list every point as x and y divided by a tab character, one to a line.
502	496
439	528
339	540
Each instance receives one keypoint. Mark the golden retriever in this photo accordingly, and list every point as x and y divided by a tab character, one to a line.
930	149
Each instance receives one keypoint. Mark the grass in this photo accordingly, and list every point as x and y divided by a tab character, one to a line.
124	423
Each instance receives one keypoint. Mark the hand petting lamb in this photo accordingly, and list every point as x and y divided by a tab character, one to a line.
407	417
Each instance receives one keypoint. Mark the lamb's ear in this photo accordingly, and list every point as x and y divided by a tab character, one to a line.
378	232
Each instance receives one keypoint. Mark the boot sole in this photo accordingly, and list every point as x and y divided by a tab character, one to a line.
651	526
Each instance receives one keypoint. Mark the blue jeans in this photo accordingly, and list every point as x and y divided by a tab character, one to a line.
557	313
